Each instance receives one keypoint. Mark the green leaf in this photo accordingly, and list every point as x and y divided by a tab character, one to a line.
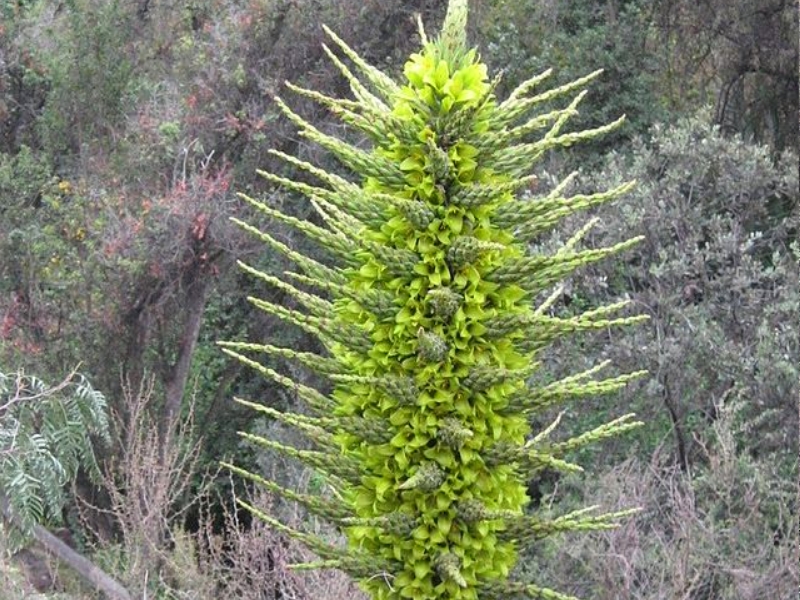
441	75
422	570
455	222
421	533
443	524
381	487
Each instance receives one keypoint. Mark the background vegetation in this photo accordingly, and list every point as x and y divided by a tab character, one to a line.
125	127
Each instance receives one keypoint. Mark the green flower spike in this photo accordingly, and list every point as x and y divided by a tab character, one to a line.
433	312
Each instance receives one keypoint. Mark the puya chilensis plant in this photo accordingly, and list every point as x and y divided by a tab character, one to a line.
433	311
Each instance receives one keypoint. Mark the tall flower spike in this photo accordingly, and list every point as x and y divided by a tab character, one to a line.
429	309
454	30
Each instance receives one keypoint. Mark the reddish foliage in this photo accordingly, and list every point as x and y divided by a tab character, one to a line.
199	226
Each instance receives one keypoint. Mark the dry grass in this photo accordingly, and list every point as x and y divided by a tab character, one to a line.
150	487
252	562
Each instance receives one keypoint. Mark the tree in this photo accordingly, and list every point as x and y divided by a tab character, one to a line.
426	310
718	277
45	437
577	36
743	55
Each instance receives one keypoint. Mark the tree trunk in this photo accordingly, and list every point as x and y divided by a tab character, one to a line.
175	384
87	570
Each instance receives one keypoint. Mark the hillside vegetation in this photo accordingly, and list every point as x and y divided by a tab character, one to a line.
126	131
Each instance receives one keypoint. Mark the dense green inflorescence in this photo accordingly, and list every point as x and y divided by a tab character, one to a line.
428	311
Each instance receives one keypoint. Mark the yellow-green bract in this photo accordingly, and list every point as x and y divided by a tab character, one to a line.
433	315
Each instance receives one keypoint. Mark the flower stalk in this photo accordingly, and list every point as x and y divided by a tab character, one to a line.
431	314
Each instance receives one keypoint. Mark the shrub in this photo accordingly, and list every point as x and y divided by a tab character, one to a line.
717	275
727	531
45	437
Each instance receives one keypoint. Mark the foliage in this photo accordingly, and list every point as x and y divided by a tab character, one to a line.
124	126
664	59
726	530
581	36
741	56
718	277
45	437
252	561
426	309
152	486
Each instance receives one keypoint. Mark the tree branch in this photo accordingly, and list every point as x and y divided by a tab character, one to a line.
86	569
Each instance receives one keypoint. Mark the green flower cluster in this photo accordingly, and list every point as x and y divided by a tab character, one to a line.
429	321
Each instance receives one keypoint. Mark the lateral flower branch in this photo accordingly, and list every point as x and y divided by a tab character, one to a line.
431	310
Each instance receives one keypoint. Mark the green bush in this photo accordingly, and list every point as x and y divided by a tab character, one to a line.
45	437
578	36
718	276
